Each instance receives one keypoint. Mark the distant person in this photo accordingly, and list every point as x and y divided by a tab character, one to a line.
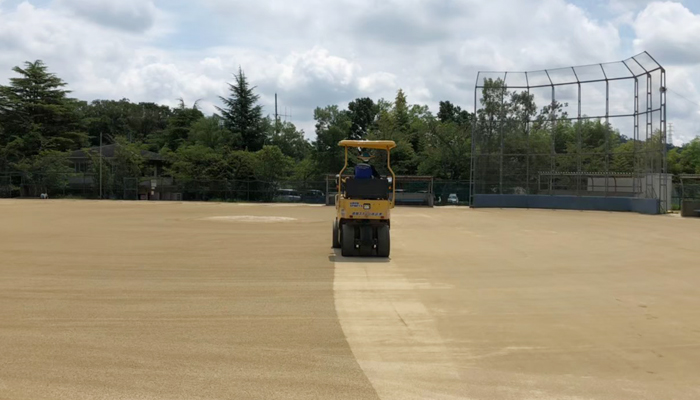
365	170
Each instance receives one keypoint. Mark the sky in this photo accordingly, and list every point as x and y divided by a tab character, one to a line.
313	53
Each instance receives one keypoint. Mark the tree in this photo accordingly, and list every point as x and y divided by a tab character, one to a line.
305	171
271	167
243	115
107	118
449	112
209	132
179	125
272	164
197	163
47	172
241	165
332	126
400	113
36	113
363	113
407	126
623	157
128	162
673	158
291	141
111	118
690	157
448	151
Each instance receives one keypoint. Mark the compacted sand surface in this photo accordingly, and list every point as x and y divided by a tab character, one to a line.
139	300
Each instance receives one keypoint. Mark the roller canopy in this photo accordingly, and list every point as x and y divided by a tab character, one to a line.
369	144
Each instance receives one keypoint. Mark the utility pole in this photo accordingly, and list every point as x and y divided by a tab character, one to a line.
670	133
277	116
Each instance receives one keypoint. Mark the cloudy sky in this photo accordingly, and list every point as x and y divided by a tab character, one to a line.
319	52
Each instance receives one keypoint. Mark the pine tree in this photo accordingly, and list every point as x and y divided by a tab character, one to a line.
401	117
243	115
36	113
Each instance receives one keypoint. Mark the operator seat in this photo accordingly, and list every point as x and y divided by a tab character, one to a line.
363	171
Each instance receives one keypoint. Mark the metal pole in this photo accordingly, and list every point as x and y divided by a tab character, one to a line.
553	149
527	133
502	118
636	128
664	143
100	165
649	180
578	138
472	173
635	141
607	130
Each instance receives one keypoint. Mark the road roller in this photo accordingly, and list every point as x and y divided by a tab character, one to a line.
363	203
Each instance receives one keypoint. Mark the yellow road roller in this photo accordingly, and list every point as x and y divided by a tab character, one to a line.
364	202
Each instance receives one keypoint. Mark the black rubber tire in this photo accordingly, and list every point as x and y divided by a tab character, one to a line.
366	236
336	235
348	241
383	241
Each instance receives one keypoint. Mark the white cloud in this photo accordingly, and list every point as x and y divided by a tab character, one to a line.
670	31
312	52
378	81
129	15
299	69
623	6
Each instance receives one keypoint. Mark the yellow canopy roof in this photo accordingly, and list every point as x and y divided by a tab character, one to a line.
369	144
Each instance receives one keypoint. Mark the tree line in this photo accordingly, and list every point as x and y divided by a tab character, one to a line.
40	123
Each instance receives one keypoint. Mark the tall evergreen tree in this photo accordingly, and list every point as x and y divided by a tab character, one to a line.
36	113
401	116
243	115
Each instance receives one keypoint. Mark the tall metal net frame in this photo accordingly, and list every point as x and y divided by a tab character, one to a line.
515	152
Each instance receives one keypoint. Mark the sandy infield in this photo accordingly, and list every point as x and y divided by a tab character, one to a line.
137	300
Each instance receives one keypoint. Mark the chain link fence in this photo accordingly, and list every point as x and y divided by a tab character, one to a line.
685	189
88	186
597	130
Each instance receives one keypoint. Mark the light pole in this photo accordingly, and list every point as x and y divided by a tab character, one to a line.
100	165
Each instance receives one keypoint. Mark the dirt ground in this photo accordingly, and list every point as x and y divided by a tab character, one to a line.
139	300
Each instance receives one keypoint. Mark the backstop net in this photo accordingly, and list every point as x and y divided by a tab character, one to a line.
594	130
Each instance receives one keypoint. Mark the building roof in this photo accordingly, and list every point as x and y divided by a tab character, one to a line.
109	151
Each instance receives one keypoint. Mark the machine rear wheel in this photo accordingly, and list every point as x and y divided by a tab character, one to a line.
366	241
348	241
383	241
336	235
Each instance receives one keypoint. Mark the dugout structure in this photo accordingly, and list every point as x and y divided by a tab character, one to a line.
582	137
